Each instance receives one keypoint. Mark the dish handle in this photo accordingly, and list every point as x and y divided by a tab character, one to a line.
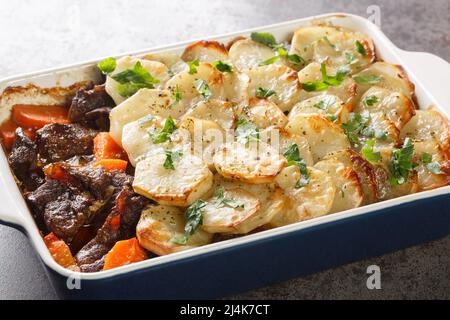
433	72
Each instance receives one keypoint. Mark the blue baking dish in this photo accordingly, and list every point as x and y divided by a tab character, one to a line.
255	260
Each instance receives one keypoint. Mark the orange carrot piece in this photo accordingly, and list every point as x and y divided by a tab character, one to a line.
59	250
37	116
106	148
7	133
123	253
112	164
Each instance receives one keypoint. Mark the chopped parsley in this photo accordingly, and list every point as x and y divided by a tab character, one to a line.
222	66
327	80
368	153
360	48
371	100
265	38
194	219
292	155
358	124
246	131
269	61
325	103
401	164
131	80
166	131
350	58
433	167
264	93
203	88
221	201
330	44
193	66
170	157
367	79
177	96
108	65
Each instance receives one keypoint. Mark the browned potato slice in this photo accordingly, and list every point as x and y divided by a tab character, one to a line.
246	54
262	112
206	51
325	104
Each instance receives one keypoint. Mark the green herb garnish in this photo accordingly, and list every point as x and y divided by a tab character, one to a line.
222	66
264	93
368	153
265	38
221	201
131	80
355	125
350	58
246	131
325	103
166	131
108	65
433	167
203	88
371	100
193	66
360	48
369	79
170	157
401	164
194	219
177	96
292	155
269	61
327	80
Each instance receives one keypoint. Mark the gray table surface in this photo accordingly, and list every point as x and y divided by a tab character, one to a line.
42	34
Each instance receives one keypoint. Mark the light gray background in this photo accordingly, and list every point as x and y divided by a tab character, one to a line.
42	34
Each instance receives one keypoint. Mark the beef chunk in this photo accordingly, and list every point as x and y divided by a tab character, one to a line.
23	161
119	225
58	142
92	108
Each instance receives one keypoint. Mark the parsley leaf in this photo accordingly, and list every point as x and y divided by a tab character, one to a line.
177	96
371	100
350	58
194	218
246	131
108	65
325	103
368	153
264	38
369	79
401	164
170	156
222	66
360	48
131	80
166	131
193	66
327	80
355	125
292	155
264	93
269	61
203	88
221	201
433	167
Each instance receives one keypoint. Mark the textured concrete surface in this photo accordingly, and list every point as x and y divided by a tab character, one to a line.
42	34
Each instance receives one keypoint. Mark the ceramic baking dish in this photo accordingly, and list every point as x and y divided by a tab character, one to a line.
267	257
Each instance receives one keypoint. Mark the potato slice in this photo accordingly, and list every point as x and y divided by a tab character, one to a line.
246	54
349	193
252	163
428	125
188	181
426	179
396	106
323	135
325	104
271	199
157	69
262	112
235	87
346	91
281	139
334	45
185	82
311	201
278	78
218	111
387	76
171	60
160	226
206	51
220	216
159	103
206	137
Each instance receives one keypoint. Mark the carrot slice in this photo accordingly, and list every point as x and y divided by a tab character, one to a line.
59	250
7	133
112	164
106	148
37	116
124	252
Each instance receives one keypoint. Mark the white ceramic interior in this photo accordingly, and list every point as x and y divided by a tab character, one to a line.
429	73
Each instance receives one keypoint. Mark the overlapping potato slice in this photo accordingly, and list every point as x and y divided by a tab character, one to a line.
171	60
229	211
159	228
159	103
349	193
323	135
281	139
206	51
156	69
346	91
329	105
206	137
428	125
181	186
253	162
185	83
262	112
310	201
271	198
219	111
235	87
387	76
396	106
436	172
336	46
246	54
282	80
